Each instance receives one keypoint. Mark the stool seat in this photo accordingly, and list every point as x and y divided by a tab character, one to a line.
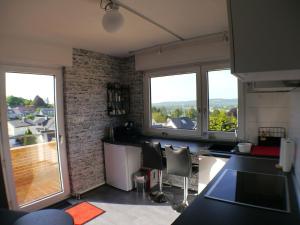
46	217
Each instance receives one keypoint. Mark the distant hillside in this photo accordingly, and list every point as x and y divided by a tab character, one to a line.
175	104
215	103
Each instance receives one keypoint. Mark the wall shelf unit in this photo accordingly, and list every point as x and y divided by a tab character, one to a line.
118	101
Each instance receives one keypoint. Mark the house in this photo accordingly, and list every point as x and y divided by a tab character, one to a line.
11	114
22	111
181	123
18	127
205	95
46	112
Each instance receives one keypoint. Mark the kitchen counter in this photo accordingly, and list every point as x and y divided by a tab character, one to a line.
213	212
196	147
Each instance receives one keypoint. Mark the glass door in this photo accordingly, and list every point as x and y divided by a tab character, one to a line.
32	139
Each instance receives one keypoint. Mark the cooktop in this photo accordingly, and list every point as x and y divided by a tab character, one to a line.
260	190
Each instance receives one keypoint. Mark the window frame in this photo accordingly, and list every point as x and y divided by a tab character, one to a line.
202	131
148	129
205	101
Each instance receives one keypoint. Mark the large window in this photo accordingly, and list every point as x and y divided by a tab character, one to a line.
199	102
222	101
173	102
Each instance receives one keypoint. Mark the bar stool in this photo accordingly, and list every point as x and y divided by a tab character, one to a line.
179	163
153	159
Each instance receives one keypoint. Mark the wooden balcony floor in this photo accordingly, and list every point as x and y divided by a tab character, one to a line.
36	172
44	183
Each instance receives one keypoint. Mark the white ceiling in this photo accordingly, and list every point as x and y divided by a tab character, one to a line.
77	23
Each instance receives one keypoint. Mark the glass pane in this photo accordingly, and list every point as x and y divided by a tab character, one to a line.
32	136
222	101
173	102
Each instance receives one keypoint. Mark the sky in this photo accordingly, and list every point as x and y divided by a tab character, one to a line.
222	84
28	86
183	87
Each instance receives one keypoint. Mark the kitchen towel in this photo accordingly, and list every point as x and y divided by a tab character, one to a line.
282	149
287	150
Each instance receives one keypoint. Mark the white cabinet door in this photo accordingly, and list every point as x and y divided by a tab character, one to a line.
121	162
134	155
115	165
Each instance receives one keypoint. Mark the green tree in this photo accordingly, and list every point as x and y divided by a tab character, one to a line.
159	117
27	102
219	120
13	101
29	138
30	116
191	113
176	113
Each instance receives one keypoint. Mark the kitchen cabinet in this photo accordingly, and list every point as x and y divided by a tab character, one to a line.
264	37
121	162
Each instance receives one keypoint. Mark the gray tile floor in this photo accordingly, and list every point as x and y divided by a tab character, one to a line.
131	207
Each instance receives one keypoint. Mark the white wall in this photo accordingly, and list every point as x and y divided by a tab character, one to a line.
294	133
266	110
275	110
28	52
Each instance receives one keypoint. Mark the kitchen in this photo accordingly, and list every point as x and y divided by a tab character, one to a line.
261	58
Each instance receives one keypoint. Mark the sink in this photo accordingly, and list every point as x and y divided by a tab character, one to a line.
222	147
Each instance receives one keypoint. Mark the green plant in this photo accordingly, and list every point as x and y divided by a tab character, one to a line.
29	138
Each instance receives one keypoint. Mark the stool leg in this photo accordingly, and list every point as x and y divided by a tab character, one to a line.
186	190
181	206
160	181
159	197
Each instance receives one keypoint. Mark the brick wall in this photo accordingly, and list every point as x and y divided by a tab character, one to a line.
86	116
85	111
135	81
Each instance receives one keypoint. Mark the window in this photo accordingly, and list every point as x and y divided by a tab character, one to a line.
222	101
173	102
200	102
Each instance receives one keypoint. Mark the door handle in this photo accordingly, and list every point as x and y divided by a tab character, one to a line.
60	138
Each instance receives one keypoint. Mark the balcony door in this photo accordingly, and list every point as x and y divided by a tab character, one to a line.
32	137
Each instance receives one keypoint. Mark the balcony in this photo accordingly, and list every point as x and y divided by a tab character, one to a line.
36	171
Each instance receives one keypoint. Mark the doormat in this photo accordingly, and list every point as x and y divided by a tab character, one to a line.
84	212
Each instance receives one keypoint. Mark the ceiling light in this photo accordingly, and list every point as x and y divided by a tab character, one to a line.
112	20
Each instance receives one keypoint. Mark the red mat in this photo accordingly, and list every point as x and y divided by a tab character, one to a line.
265	151
84	212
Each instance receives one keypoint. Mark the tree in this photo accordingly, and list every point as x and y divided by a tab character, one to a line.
30	117
191	113
13	101
27	102
29	138
219	120
159	117
176	113
38	102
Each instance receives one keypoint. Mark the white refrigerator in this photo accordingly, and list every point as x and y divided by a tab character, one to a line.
121	162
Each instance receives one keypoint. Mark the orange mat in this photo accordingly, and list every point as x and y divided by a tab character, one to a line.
84	212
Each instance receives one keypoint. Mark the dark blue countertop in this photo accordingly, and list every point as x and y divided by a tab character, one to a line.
212	212
195	146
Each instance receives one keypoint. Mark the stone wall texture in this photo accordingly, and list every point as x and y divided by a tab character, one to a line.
85	112
135	81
